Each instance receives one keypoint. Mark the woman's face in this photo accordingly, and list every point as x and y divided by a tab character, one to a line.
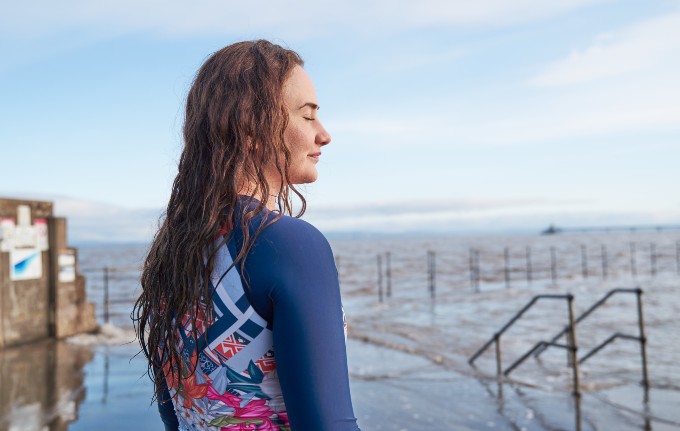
305	135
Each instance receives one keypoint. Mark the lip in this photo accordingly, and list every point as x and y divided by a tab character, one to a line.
315	156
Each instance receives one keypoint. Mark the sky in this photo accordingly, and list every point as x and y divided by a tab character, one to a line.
446	116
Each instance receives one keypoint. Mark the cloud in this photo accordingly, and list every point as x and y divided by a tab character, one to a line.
451	215
99	221
493	221
648	45
90	221
625	81
301	18
645	106
430	206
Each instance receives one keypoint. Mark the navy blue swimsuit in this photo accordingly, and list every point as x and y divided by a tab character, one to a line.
273	357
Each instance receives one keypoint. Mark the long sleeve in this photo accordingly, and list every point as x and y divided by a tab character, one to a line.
302	298
167	410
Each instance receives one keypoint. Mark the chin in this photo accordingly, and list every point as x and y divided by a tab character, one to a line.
306	178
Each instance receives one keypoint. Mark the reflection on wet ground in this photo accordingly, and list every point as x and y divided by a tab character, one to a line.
59	386
41	385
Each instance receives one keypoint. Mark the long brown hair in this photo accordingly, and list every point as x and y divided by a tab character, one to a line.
233	128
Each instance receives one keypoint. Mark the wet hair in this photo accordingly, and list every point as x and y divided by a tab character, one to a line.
233	129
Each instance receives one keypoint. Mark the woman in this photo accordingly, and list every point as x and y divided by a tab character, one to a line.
240	315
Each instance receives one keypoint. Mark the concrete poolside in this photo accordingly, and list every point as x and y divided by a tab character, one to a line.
392	391
400	391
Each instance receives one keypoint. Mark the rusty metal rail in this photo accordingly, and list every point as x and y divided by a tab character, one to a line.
641	338
571	346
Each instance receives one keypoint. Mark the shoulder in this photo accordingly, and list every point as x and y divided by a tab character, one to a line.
291	231
293	242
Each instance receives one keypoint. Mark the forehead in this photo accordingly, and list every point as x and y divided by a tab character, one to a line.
298	89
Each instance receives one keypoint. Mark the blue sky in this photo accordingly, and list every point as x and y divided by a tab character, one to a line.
445	115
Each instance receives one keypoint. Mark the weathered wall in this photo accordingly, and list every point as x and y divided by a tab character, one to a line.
24	304
41	293
74	315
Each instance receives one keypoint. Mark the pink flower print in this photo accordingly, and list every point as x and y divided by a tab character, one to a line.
228	399
254	409
253	416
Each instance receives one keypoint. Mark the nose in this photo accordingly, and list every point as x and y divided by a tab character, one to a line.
323	137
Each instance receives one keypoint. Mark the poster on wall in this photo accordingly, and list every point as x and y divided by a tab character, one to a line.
25	264
40	226
24	233
6	233
67	266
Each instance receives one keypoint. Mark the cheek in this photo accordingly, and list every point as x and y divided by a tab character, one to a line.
294	137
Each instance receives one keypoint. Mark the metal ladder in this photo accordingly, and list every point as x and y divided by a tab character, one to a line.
571	345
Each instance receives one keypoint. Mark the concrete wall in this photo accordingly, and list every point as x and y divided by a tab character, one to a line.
74	315
41	293
24	304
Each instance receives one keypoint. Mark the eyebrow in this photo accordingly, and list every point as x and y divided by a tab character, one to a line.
311	105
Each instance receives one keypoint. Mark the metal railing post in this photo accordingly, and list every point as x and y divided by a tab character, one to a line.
499	366
106	294
573	348
643	344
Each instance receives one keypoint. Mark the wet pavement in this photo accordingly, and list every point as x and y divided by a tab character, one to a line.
103	387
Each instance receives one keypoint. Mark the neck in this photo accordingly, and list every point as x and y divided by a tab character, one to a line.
270	203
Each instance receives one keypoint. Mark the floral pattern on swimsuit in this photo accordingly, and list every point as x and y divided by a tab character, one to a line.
235	386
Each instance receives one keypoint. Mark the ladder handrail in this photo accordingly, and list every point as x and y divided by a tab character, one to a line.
540	344
519	314
587	313
607	341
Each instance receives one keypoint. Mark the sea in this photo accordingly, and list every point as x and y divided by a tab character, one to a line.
438	326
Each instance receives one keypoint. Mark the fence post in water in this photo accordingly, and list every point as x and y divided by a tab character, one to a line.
605	261
529	264
478	271
506	259
106	294
652	258
380	280
472	268
633	269
431	272
388	269
584	261
434	273
553	265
